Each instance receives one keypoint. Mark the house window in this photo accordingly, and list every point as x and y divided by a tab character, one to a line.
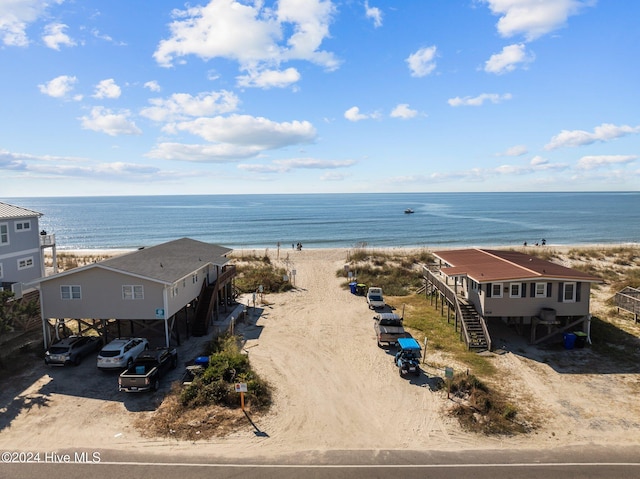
132	291
4	233
514	290
24	263
541	290
23	226
496	290
70	292
569	293
194	278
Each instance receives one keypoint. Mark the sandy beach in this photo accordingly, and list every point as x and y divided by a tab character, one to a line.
335	389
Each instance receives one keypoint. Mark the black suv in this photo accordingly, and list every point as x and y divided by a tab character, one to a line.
71	350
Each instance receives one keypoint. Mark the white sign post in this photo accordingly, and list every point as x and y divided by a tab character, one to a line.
241	388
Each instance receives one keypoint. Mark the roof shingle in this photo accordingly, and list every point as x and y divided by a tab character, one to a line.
8	211
484	265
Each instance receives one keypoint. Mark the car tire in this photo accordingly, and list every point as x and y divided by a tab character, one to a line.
156	385
77	360
174	362
129	363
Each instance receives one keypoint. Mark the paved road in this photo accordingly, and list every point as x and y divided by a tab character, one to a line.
567	463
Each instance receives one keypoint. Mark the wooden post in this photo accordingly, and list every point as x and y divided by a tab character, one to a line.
242	400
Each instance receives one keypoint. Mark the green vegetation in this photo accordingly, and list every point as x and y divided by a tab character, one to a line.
482	409
209	406
14	313
227	366
254	271
396	274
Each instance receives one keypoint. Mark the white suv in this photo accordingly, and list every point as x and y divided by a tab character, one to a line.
120	353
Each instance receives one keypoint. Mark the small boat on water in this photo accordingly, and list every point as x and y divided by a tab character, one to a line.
408	211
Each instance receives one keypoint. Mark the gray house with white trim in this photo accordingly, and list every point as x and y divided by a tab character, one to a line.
147	285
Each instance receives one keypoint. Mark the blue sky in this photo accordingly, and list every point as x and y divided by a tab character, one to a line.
125	97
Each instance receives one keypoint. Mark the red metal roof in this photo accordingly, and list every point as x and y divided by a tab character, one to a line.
484	265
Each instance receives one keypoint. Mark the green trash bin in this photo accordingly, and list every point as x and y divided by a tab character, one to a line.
581	339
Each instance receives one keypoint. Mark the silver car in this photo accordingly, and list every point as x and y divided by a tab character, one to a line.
71	350
120	353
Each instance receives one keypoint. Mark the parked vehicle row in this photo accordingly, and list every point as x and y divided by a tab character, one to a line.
118	354
142	368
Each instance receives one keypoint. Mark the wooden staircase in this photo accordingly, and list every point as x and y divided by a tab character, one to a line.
203	311
471	323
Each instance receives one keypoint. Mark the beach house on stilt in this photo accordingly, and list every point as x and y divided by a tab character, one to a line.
149	290
537	297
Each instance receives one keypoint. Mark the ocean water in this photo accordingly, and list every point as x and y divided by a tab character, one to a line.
341	220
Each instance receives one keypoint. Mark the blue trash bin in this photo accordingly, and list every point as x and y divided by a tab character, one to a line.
202	361
352	287
569	340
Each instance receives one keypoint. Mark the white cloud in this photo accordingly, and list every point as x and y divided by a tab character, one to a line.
269	78
534	18
232	138
591	162
604	132
54	36
508	59
333	176
16	15
180	106
203	153
374	13
422	62
403	111
59	87
517	150
153	86
107	89
66	167
113	124
245	130
283	166
539	161
353	114
479	100
250	34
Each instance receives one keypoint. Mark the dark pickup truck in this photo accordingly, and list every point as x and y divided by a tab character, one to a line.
145	372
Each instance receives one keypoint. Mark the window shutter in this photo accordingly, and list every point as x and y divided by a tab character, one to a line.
488	290
533	290
523	290
560	291
578	288
548	290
